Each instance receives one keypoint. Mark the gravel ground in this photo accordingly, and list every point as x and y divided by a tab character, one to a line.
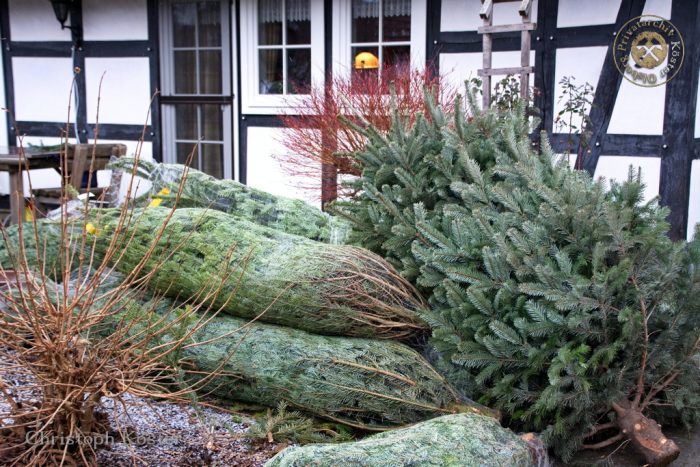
159	433
167	434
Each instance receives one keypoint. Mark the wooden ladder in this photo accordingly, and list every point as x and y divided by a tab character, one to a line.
486	14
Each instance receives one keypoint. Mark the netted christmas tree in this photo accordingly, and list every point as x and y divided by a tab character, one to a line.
564	302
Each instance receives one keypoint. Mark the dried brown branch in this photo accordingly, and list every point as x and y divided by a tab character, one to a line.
80	343
603	444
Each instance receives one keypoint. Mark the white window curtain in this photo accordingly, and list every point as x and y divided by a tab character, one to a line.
270	11
370	8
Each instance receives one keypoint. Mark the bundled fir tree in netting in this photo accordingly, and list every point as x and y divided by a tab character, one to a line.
565	303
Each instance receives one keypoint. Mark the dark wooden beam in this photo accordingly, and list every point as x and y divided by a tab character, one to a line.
242	130
577	36
153	49
7	72
118	131
80	91
41	49
120	48
432	35
679	122
329	173
545	56
272	121
470	42
46	129
614	145
607	88
585	36
106	130
633	145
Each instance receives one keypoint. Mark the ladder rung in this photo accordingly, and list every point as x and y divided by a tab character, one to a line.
507	28
487	7
505	71
524	9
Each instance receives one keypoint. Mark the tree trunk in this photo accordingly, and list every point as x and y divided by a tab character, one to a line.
645	435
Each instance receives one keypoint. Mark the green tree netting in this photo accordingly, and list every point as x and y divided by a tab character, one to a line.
365	383
284	279
40	247
465	439
204	191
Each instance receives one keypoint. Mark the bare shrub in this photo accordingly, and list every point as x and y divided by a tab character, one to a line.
82	336
321	145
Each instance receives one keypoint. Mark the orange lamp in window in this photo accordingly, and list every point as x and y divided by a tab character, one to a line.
366	60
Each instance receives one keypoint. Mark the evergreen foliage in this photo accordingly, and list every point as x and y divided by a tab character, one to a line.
264	273
564	303
368	384
200	190
464	439
283	425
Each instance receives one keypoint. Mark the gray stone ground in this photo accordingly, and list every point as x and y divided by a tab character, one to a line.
158	433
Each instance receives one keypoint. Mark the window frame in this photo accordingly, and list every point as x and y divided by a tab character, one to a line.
169	99
166	55
252	101
342	37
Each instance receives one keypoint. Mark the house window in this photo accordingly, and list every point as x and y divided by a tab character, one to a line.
196	98
374	36
381	36
282	47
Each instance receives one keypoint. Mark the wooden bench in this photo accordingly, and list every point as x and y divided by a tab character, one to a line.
78	161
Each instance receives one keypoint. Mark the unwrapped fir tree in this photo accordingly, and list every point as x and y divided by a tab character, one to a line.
565	303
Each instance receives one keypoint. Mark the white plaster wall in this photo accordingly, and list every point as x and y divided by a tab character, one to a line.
125	95
34	20
109	20
617	168
264	171
638	110
42	88
584	64
463	15
456	68
658	7
40	178
570	159
587	12
694	199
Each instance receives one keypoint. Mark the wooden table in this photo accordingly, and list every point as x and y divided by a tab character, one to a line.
14	161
